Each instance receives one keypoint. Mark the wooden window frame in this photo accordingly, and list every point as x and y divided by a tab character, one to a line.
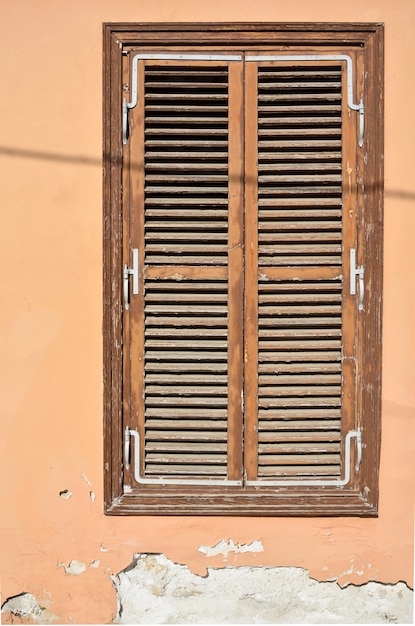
118	38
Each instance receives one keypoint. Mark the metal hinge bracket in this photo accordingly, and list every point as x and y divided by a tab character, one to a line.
126	106
357	272
134	451
128	271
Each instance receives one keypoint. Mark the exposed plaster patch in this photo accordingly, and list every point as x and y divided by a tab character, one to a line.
75	568
155	590
94	563
26	606
65	494
92	496
226	547
103	548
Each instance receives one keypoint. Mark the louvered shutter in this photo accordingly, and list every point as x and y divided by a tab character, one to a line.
241	205
187	216
296	381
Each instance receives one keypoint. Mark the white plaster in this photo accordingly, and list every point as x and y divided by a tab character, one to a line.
26	606
226	547
154	590
65	494
95	563
75	568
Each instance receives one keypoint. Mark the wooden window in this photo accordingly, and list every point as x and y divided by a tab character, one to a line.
242	268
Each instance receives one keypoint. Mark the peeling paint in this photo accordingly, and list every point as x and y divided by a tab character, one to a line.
65	494
154	590
103	548
226	547
75	568
95	563
26	606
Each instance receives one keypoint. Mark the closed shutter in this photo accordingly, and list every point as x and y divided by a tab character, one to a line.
245	224
189	212
295	277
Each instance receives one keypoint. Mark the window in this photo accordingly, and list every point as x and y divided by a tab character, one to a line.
242	268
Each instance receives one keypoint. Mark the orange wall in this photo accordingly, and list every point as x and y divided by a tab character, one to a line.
51	357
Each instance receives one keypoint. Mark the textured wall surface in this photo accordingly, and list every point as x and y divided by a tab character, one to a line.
154	590
57	549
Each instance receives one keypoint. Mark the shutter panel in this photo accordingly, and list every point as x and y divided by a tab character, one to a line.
191	286
296	429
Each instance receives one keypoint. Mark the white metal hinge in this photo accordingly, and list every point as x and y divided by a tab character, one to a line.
127	272
302	482
126	106
357	272
225	482
320	482
325	57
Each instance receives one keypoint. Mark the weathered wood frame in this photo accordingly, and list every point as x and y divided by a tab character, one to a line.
305	501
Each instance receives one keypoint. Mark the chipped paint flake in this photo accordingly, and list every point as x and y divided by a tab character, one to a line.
226	547
26	606
65	494
94	564
75	568
88	482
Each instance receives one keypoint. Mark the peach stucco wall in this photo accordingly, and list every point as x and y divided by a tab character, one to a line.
51	310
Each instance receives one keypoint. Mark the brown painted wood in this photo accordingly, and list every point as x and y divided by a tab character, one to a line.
235	265
251	274
112	263
276	207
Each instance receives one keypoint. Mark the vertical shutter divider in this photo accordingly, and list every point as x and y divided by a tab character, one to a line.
235	269
251	274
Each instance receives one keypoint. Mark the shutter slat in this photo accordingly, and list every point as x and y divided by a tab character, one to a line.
181	333
182	447
305	391
297	367
161	412
300	419
304	451
191	391
329	472
157	439
299	355
186	344
181	165
298	333
300	401
167	379
186	366
305	379
184	467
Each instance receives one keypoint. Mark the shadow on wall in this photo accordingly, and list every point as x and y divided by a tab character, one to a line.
86	160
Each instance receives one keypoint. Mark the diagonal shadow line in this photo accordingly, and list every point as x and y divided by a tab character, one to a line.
86	160
49	156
